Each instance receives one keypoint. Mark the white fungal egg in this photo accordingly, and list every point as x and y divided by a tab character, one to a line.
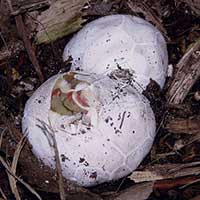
120	41
103	129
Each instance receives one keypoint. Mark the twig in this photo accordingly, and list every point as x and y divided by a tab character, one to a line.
187	75
45	31
1	135
20	180
23	33
59	169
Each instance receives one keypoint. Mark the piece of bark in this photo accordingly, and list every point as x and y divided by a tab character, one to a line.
139	191
32	170
187	74
62	18
165	171
23	8
180	125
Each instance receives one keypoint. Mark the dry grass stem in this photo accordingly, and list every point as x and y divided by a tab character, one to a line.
3	195
13	168
58	167
18	179
1	136
49	132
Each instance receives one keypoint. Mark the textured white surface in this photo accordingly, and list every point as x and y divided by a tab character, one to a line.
121	41
119	134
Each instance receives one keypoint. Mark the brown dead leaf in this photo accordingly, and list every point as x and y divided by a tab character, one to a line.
165	171
139	191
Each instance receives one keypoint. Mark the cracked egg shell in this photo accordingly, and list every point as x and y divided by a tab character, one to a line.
103	130
120	41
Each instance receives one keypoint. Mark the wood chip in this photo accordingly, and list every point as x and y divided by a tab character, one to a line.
187	74
22	31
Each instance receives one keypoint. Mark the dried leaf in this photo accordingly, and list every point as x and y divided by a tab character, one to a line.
166	171
139	191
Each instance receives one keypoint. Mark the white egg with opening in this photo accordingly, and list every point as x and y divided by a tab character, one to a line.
120	41
103	129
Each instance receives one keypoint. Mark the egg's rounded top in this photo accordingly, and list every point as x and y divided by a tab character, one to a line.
103	128
120	42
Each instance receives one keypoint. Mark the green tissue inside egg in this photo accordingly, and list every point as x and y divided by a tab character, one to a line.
62	102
